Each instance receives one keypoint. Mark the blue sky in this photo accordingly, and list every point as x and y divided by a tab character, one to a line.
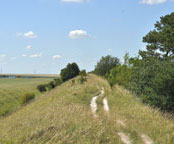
47	34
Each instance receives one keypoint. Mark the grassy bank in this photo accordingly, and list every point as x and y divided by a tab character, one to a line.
64	116
11	90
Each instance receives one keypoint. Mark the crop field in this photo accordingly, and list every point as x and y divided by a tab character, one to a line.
11	90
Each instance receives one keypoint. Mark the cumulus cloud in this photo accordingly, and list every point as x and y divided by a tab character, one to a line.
36	55
109	49
30	35
75	1
24	55
153	2
28	47
57	57
75	34
3	55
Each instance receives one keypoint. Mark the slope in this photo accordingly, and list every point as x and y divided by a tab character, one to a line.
64	116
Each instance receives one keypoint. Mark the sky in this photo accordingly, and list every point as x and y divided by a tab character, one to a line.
43	36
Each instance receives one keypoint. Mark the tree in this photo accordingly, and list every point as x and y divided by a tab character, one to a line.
106	63
71	70
153	82
160	41
120	75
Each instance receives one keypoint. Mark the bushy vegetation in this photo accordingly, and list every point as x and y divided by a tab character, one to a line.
105	64
50	85
83	76
120	75
42	87
71	71
27	98
150	75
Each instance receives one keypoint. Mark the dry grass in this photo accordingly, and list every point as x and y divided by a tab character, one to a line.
11	91
64	116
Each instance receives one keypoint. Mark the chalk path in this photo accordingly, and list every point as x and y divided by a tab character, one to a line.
124	138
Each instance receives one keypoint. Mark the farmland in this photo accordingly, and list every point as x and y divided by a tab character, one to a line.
11	90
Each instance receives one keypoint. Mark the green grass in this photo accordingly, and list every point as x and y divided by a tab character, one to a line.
11	91
64	116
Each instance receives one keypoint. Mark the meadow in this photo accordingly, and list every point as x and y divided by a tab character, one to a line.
63	115
11	91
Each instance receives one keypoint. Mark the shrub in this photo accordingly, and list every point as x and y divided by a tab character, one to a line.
106	63
71	71
153	81
27	98
120	75
42	87
58	81
83	77
52	84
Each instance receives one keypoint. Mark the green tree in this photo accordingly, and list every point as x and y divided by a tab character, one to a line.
153	82
71	71
120	75
160	41
106	63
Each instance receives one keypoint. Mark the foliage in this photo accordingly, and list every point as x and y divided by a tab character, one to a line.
83	76
120	75
58	81
27	98
153	81
105	64
71	71
161	40
42	87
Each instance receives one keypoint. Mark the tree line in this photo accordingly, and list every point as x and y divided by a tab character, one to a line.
150	75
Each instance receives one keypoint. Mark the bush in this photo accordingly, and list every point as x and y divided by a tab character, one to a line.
42	87
52	84
27	98
83	76
153	81
106	63
120	75
58	81
71	71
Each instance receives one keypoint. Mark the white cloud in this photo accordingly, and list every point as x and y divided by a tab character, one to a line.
57	57
75	1
3	55
78	34
24	55
109	49
153	2
28	47
13	58
30	35
36	55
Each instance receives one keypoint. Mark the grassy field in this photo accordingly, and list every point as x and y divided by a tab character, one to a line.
64	116
11	90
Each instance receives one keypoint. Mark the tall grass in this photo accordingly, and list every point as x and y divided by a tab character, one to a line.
64	116
11	91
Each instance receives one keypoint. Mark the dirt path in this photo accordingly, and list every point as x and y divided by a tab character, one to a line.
125	139
146	139
94	103
105	105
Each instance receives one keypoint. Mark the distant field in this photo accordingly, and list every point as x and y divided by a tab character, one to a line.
11	90
31	75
